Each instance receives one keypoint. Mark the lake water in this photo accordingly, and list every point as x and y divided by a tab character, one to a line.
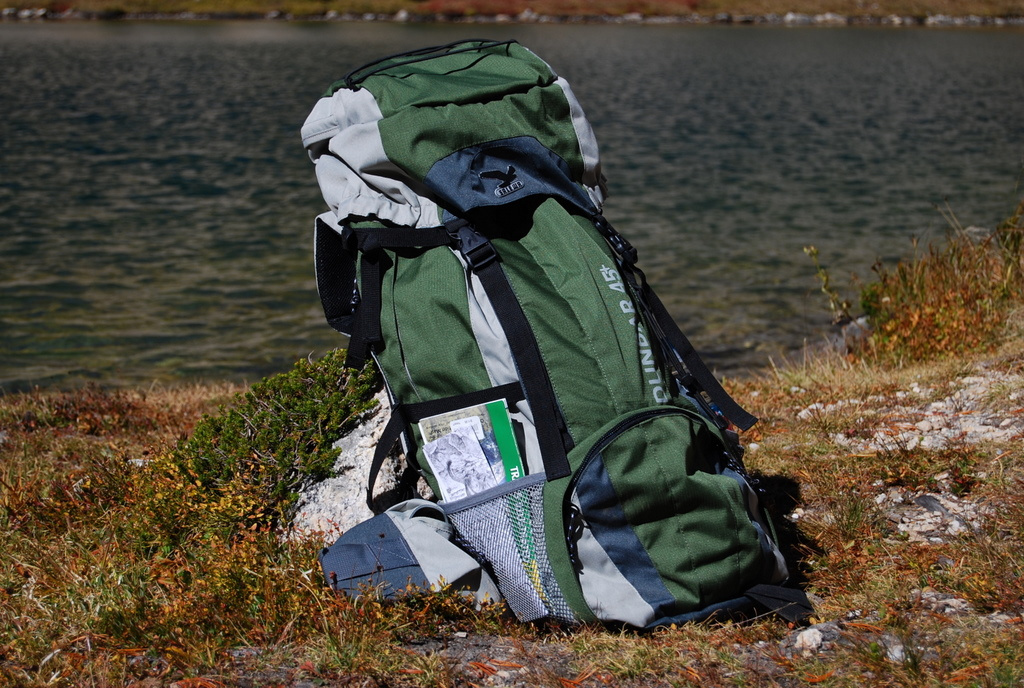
156	205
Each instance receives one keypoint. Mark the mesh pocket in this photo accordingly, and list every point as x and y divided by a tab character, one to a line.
505	530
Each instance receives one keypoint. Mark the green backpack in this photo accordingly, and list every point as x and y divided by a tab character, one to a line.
579	446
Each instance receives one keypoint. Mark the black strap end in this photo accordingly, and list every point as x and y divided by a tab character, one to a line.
791	604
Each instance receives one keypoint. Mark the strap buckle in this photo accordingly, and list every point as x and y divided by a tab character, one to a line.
349	238
476	249
618	242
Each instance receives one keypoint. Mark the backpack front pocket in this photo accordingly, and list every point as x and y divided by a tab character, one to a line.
657	521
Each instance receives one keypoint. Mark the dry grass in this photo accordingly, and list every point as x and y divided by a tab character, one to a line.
112	573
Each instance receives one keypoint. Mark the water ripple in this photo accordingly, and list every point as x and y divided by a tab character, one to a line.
156	205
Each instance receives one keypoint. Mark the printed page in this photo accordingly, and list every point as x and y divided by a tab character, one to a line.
459	464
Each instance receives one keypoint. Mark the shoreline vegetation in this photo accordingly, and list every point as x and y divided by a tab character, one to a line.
144	538
931	13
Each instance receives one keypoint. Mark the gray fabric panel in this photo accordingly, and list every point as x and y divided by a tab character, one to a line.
603	514
429	535
356	177
497	356
593	179
489	334
608	593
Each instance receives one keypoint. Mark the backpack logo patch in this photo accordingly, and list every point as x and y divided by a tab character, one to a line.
509	183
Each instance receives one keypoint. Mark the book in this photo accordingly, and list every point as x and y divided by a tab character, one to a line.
471	449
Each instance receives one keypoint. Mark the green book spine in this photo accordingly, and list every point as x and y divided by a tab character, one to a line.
505	438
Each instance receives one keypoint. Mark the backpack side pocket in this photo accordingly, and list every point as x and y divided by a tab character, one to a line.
504	528
655	523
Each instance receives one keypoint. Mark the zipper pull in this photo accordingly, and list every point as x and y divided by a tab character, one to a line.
573	532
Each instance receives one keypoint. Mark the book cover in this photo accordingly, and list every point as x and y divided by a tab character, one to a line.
459	466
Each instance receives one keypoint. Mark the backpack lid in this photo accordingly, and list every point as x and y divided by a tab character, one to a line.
399	139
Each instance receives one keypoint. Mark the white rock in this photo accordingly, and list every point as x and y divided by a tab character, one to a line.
811	411
894	650
333	506
795	18
808	642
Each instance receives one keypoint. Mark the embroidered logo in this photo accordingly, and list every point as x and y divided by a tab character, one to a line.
509	183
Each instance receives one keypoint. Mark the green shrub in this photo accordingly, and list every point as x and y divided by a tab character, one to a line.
949	299
278	436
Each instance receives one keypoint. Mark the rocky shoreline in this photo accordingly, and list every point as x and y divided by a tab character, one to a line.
530	17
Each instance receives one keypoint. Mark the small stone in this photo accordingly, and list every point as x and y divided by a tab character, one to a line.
931	504
941	603
999	618
811	411
808	642
956	527
894	650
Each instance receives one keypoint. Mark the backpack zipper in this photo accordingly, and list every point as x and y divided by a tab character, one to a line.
575	523
618	429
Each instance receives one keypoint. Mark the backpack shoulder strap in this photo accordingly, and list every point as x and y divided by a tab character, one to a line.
552	431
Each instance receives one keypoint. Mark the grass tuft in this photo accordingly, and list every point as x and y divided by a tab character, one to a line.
256	454
948	299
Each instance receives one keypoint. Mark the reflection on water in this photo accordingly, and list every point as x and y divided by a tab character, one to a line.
156	205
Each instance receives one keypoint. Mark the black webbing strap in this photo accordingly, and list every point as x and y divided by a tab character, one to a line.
677	349
388	438
552	433
415	412
406	414
739	416
353	79
366	323
791	604
358	315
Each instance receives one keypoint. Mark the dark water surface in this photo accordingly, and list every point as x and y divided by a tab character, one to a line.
156	205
